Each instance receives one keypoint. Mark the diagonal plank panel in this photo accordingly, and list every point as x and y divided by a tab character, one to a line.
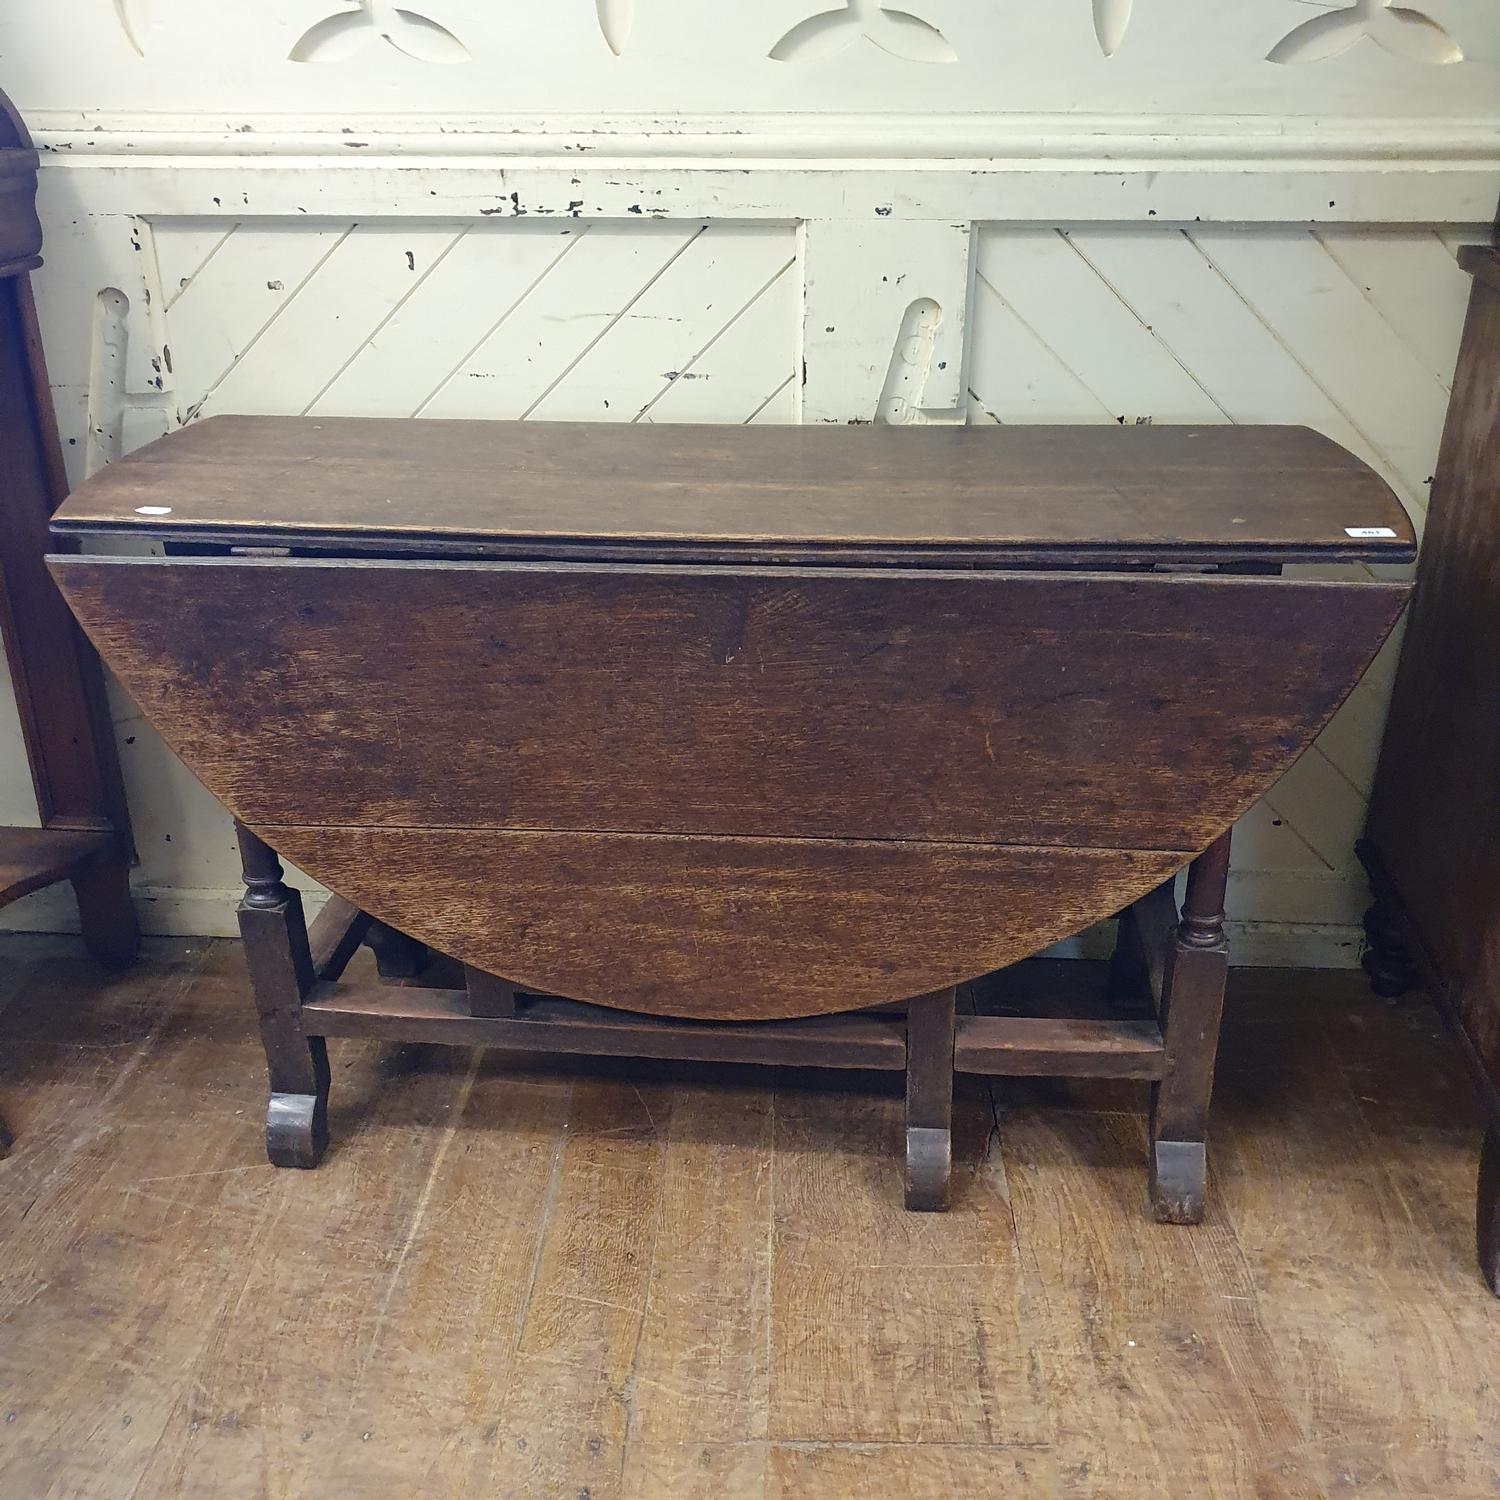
351	292
751	354
233	301
456	318
559	320
658	336
482	280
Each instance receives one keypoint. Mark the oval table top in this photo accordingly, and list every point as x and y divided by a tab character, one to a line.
945	496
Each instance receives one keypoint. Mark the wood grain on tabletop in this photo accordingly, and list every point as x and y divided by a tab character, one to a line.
1238	487
643	1282
706	927
1143	712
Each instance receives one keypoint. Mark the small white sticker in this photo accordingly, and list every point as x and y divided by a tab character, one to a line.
166	510
1368	531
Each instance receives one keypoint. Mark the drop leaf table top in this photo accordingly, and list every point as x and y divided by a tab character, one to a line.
741	725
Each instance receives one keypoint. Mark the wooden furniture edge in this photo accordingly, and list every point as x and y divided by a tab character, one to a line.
33	858
1392	917
1482	262
548	1024
1041	1047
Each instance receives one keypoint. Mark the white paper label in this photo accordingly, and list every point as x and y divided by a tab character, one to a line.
166	510
1368	531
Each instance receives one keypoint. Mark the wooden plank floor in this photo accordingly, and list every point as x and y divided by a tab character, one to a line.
515	1279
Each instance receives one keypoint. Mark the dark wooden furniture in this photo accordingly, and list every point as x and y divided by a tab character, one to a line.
718	732
83	836
1432	843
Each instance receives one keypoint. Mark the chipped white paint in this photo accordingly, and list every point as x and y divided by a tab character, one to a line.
923	211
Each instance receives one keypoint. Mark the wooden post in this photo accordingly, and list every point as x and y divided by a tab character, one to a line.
1487	1216
281	973
396	955
930	1025
1192	1007
489	996
335	936
106	914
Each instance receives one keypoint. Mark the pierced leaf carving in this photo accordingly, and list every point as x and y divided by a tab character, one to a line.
1322	37
616	17
1400	30
1409	33
905	35
1111	20
346	33
134	17
816	36
335	38
421	37
897	32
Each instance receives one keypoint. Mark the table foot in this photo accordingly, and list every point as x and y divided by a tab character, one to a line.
1487	1215
930	1031
929	1168
1179	1178
282	971
297	1124
1192	1006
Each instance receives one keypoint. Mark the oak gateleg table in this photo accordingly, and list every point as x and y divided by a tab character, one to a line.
742	744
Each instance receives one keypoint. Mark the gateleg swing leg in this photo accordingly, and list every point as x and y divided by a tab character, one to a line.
930	1024
1192	1007
281	973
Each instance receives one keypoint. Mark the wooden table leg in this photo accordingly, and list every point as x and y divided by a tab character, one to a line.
1129	983
1192	1007
489	996
1487	1215
929	1100
281	973
335	936
396	955
106	914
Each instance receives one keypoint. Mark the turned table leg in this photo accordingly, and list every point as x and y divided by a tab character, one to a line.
106	914
281	973
1192	1006
929	1100
1487	1214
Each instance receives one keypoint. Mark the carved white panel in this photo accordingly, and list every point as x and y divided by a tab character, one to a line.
538	319
338	61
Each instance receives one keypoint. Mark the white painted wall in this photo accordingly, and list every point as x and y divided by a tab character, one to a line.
793	210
